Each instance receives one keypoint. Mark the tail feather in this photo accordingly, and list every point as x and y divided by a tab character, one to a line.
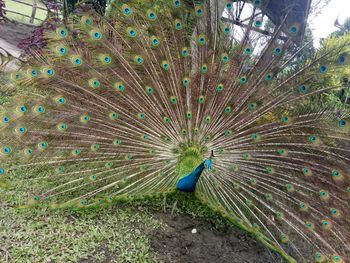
115	106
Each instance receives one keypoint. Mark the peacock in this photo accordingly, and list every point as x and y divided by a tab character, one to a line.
164	96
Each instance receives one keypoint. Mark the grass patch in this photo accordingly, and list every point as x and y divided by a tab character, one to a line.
116	231
43	235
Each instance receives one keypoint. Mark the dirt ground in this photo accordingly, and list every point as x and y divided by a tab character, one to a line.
178	244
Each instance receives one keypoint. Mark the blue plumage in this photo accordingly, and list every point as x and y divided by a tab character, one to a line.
188	183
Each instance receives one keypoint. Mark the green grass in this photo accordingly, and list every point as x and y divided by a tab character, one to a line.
40	234
26	10
70	234
99	233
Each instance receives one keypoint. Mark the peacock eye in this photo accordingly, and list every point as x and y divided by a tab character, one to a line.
126	10
343	58
342	123
151	15
293	30
243	80
199	11
323	69
220	87
258	23
302	89
277	51
312	138
177	3
7	150
184	52
257	2
268	77
155	42
178	24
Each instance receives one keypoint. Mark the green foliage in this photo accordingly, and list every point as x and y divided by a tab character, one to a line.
337	77
343	29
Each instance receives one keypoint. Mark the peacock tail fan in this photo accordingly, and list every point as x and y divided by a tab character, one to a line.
128	104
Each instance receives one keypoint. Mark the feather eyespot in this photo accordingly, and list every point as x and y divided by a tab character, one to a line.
34	73
257	2
173	99
258	23
201	99
126	10
342	123
6	150
293	30
220	87
229	6
22	109
243	80
62	51
149	90
154	41
302	89
113	115
42	145
151	15
184	52
131	32
138	60
343	59
177	3
61	100
202	40
186	82
268	77
62	32
225	58
199	11
119	86
178	24
165	65
6	119
323	69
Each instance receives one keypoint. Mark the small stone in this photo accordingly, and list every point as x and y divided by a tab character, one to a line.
194	231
